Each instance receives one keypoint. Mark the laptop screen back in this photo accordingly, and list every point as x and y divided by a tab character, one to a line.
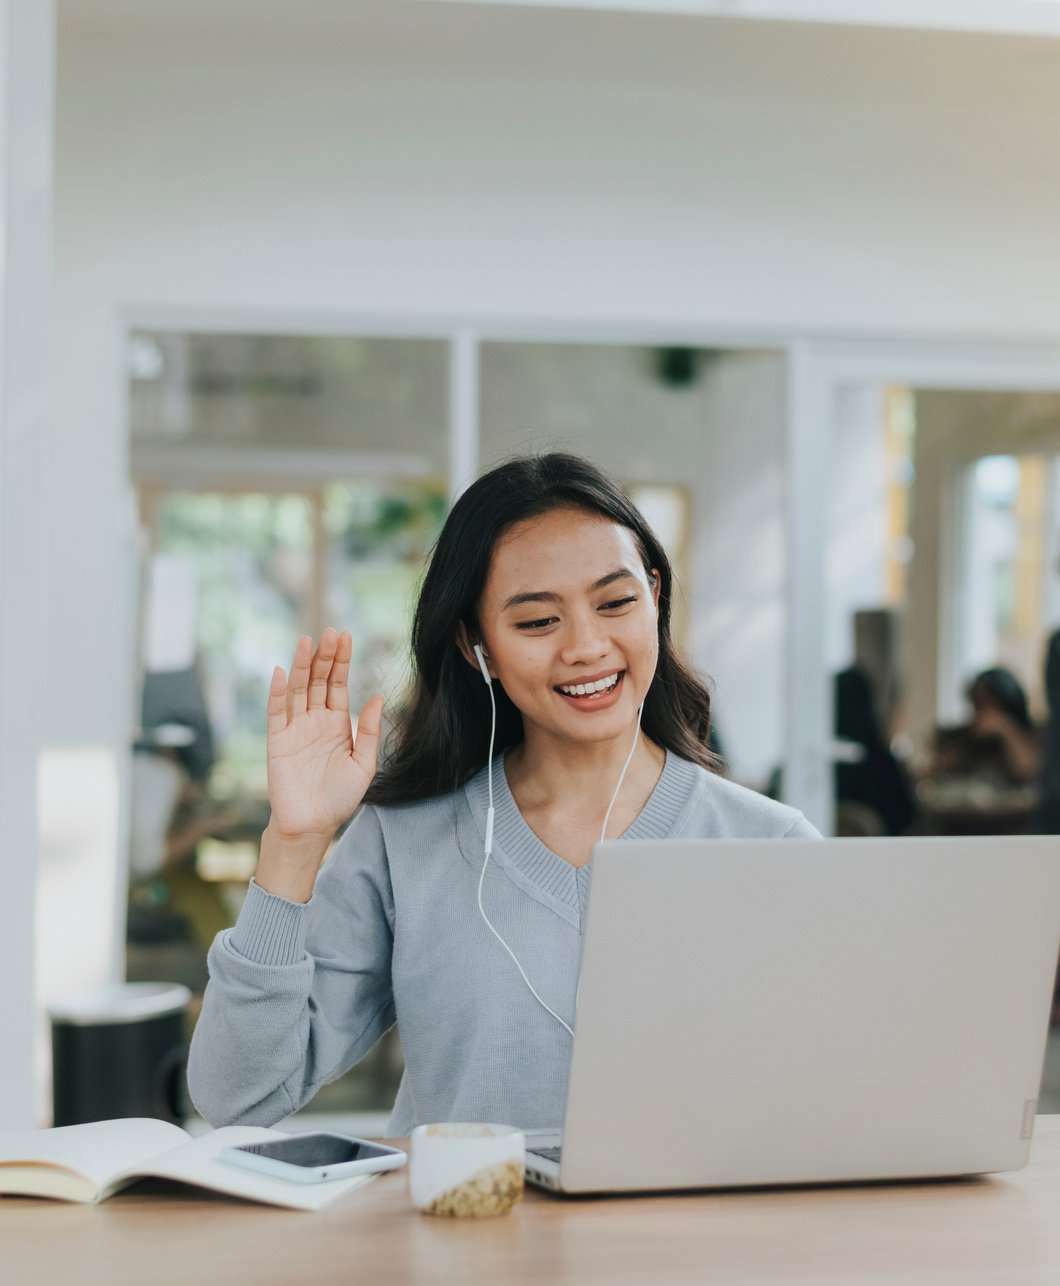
790	1011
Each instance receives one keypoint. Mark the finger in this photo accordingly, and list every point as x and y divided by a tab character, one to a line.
277	709
338	682
366	743
298	683
319	669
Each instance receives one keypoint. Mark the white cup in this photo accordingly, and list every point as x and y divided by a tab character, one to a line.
465	1170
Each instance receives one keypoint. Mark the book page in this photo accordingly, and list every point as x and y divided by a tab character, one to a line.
36	1180
97	1151
198	1162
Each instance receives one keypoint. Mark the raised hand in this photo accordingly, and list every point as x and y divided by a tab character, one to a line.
318	771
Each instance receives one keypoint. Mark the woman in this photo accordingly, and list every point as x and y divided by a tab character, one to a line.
546	567
1001	743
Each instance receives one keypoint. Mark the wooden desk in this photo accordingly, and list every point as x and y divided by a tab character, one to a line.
1003	1229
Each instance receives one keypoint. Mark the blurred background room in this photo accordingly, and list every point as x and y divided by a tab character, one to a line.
280	279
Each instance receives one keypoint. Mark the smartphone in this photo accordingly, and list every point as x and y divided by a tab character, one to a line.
314	1158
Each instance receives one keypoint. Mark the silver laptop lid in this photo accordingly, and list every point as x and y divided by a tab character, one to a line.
791	1011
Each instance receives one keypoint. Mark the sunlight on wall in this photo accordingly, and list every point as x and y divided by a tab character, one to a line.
77	810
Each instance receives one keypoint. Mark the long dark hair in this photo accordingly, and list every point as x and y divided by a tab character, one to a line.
441	738
1004	690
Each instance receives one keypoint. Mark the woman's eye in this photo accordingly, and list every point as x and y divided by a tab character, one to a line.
546	621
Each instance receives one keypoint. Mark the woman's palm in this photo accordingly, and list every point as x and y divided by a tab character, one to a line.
318	774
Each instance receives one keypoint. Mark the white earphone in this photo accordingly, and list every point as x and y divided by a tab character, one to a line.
488	845
481	658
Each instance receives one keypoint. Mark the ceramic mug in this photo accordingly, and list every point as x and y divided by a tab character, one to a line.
466	1170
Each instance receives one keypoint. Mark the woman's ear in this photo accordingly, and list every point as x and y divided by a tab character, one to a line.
656	585
467	648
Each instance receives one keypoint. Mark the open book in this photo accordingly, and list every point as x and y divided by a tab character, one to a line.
91	1162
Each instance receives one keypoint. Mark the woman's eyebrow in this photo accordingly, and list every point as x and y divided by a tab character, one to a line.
549	596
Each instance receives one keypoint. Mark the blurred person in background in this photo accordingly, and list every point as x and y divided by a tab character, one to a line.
873	793
1048	819
1000	744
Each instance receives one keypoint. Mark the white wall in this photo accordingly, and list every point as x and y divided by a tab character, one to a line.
435	160
28	686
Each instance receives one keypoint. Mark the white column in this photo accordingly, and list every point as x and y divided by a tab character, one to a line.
463	411
27	62
807	698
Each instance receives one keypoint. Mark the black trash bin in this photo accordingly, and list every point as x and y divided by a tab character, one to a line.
119	1050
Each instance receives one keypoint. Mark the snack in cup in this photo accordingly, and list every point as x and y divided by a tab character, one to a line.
466	1170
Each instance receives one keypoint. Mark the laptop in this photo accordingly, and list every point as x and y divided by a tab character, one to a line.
760	1012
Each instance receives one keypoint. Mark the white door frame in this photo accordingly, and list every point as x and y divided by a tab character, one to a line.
819	369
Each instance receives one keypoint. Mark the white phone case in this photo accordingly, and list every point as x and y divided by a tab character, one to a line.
394	1159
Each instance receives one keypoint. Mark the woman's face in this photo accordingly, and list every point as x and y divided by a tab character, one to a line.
567	604
985	708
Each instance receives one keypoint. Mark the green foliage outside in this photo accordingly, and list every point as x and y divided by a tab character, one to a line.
257	565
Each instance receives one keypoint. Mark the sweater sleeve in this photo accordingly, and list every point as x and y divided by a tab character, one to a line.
298	993
802	829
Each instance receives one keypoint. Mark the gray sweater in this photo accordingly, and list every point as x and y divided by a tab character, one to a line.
299	993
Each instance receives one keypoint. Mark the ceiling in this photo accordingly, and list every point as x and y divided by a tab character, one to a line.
262	18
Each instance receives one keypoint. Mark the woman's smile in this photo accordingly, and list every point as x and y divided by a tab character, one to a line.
593	694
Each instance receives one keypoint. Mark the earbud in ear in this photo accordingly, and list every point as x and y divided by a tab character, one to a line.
480	656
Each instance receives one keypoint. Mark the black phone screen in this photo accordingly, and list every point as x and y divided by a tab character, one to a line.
312	1150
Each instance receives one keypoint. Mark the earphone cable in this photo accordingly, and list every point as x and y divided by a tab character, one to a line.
622	775
482	875
490	814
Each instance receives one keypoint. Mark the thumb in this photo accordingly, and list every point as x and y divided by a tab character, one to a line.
366	741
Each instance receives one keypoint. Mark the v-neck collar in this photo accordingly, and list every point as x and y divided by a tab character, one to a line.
546	875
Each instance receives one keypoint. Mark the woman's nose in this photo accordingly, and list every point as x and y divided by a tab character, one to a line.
585	641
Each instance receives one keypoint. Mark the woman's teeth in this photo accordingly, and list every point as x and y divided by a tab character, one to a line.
589	689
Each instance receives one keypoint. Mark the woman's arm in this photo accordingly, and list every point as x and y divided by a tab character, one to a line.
300	987
298	992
